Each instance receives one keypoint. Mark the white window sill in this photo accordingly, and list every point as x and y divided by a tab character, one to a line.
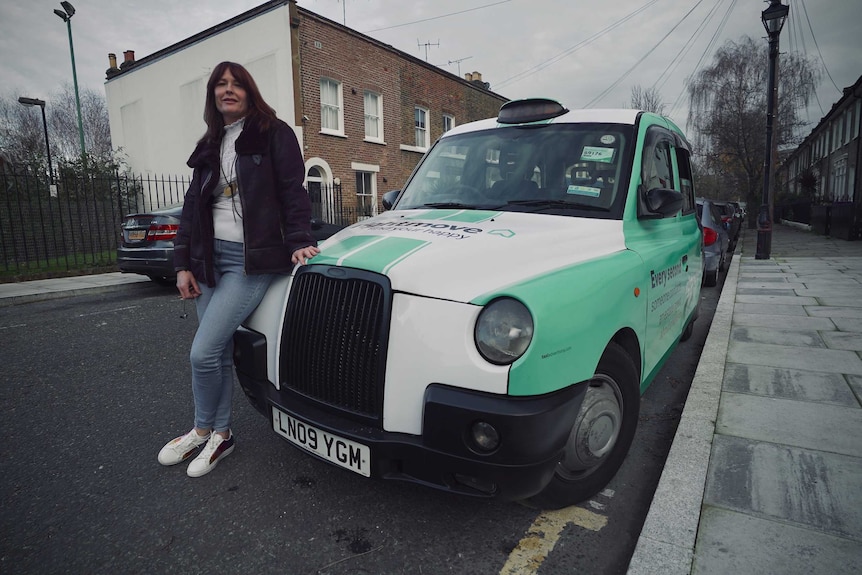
416	149
332	133
374	141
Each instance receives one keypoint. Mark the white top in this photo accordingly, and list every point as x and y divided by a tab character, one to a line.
227	209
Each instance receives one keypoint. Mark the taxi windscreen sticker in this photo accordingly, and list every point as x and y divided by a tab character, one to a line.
584	191
596	154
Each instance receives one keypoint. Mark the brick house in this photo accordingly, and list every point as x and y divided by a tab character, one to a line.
823	173
364	112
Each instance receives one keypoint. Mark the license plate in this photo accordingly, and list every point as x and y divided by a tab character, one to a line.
342	452
135	235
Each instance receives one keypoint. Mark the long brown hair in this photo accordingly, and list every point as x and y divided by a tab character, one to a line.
257	107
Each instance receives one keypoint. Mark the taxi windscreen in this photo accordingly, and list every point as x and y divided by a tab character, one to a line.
568	169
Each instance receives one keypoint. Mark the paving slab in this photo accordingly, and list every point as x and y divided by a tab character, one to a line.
771	334
791	322
768	309
810	488
843	340
823	291
776	300
823	360
843	280
783	291
782	285
856	386
734	543
846	323
793	384
837	301
829	311
832	428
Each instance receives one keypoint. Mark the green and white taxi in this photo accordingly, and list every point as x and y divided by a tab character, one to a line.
492	332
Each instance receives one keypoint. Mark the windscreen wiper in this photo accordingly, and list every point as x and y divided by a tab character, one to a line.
452	205
550	204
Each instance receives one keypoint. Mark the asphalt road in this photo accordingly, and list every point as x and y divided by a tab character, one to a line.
93	386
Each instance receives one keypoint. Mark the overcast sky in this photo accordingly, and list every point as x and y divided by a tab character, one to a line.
571	50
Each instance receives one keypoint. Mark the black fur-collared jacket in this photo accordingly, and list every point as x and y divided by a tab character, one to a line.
276	210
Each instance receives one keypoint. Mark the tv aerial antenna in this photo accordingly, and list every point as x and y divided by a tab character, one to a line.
426	45
459	63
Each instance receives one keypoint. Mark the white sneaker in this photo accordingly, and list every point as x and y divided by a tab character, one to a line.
214	451
179	449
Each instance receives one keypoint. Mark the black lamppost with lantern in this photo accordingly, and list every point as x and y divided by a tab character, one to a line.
773	20
41	103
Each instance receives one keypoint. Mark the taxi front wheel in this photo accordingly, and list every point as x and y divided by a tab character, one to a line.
601	433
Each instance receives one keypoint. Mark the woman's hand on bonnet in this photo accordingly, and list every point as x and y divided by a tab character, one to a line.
301	255
188	285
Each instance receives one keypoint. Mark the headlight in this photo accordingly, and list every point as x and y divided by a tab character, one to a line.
504	330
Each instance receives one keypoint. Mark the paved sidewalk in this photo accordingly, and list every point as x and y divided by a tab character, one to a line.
38	290
765	471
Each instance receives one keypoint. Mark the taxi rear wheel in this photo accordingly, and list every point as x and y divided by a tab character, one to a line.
601	433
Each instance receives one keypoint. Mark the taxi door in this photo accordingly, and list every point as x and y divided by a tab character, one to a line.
669	247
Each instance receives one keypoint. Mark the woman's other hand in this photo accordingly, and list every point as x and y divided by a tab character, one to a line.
301	255
188	285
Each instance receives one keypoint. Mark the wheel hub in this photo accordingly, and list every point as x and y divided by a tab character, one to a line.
596	428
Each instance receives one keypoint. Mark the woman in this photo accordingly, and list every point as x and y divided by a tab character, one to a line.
246	218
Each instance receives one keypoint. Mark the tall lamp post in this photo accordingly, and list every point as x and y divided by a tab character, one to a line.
41	103
773	20
66	15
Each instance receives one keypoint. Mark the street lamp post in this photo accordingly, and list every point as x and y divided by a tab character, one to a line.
66	15
773	20
41	103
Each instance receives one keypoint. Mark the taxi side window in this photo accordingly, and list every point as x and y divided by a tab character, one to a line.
658	169
686	181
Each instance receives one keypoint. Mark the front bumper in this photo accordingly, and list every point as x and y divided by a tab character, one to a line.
533	432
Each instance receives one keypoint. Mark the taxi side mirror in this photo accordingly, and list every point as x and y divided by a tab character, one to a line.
662	202
389	198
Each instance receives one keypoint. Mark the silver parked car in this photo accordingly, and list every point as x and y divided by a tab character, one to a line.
716	240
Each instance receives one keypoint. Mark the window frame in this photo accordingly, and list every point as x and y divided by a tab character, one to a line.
338	107
378	117
423	146
447	119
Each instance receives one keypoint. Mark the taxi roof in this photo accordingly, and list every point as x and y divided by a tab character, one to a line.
603	116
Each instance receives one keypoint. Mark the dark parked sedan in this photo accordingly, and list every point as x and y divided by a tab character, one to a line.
147	243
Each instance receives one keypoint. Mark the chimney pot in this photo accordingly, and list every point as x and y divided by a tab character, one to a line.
129	56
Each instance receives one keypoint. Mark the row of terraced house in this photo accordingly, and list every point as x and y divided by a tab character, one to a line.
821	180
363	111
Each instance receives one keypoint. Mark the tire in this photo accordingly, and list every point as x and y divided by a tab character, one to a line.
711	279
601	434
687	332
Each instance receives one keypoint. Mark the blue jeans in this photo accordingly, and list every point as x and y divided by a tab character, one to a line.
220	311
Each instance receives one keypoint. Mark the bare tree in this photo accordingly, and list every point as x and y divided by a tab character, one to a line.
22	136
728	113
647	99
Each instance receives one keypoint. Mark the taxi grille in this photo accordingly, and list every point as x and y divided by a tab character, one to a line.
335	338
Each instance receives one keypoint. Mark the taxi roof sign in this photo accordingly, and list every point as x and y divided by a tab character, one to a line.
530	110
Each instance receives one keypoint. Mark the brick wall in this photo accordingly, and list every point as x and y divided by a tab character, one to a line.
327	49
